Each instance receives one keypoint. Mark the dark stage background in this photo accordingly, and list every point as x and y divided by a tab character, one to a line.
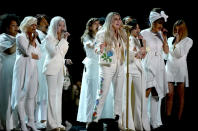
76	18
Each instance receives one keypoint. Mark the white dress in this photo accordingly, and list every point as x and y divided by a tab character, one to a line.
176	67
154	63
90	85
6	72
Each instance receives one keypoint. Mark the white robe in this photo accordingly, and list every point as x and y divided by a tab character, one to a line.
154	63
6	72
176	67
90	84
24	67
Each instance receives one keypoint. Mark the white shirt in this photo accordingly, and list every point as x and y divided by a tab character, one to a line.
176	66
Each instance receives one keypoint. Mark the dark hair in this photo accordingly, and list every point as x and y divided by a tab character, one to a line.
132	23
87	30
5	21
125	18
101	20
39	18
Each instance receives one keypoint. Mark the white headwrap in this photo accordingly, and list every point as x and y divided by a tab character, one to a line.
155	16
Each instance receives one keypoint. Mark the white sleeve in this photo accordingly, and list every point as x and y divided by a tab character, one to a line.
23	45
63	45
99	40
53	48
182	49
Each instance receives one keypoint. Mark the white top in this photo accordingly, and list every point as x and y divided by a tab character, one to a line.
116	48
134	64
176	67
55	54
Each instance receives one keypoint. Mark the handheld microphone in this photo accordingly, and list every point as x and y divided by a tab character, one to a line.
19	31
174	40
165	31
141	43
37	37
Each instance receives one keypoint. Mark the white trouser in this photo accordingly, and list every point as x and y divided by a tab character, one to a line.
54	111
155	112
113	74
27	100
41	110
138	105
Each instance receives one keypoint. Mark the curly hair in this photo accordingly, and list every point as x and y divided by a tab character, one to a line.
5	21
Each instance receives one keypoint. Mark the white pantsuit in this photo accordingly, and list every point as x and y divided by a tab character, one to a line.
25	79
137	108
54	71
155	72
110	74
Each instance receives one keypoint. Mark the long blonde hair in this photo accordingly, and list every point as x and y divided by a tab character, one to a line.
109	33
109	36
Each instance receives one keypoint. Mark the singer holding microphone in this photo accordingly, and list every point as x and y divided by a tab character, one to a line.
157	50
176	68
25	73
56	46
138	118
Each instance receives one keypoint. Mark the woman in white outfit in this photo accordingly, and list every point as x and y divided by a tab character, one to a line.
137	109
157	50
56	46
90	74
25	75
110	44
9	29
176	67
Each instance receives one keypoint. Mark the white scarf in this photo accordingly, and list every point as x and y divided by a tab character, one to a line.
155	16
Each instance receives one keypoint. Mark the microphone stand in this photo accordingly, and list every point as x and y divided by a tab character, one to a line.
127	28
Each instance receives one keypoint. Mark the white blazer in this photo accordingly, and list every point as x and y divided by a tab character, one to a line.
55	54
